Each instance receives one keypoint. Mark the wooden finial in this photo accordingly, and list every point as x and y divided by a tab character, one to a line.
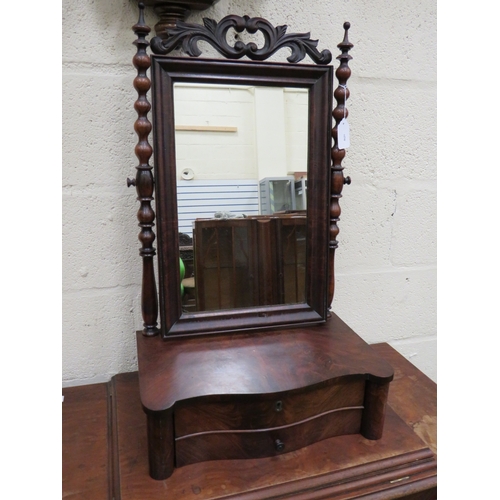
141	28
347	25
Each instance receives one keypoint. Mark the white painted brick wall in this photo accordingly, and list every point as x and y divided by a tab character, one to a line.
386	262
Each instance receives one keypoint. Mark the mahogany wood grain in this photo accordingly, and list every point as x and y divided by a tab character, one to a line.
85	438
161	457
257	368
245	444
315	472
274	410
260	363
374	409
413	395
399	465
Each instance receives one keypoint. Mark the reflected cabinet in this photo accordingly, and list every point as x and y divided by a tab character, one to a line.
253	261
240	356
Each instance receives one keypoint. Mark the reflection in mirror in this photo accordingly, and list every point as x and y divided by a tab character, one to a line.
241	159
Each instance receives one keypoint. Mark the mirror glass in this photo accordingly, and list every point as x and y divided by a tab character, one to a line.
241	156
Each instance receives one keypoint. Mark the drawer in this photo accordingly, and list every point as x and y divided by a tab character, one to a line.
257	412
224	444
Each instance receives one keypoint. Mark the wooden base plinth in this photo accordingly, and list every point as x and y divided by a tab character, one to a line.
105	453
256	395
341	467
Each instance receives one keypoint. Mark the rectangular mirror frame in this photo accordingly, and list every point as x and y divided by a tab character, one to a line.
319	81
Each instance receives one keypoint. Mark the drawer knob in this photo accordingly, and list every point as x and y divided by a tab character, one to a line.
278	405
279	445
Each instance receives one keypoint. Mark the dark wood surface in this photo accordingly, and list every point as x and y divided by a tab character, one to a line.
171	12
97	465
261	363
413	395
144	179
215	33
267	442
337	179
258	369
258	412
86	440
172	33
341	467
259	426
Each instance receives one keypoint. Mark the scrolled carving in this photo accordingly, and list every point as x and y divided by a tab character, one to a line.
341	95
187	36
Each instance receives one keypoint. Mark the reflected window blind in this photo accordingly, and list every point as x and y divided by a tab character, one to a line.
202	199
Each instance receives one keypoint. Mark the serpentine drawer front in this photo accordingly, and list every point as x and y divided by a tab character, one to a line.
259	395
257	426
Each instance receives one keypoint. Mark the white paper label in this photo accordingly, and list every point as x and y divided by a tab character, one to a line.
343	140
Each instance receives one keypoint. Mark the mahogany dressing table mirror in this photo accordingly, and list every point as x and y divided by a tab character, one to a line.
251	364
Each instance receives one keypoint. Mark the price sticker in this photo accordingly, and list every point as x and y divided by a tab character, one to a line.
343	138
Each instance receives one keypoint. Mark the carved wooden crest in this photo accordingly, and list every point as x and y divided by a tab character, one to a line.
186	36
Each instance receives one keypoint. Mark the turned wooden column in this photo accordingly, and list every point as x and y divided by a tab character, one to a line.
341	95
171	11
143	181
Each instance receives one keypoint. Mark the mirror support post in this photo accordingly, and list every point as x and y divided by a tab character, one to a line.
171	11
341	95
144	178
